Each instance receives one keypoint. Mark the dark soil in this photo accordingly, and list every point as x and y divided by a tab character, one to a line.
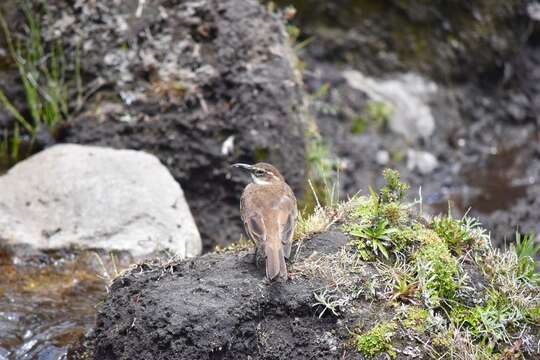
217	307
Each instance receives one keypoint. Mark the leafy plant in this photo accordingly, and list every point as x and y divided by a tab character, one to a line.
526	251
375	238
376	113
394	190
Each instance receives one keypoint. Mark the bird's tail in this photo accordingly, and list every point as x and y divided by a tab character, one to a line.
275	262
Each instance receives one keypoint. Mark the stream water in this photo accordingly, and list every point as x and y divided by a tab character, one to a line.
48	302
495	186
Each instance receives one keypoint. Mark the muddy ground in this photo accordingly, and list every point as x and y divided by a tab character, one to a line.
214	307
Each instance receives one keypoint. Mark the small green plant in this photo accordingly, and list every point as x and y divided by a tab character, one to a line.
437	272
416	319
9	148
452	232
394	190
404	288
526	251
377	341
377	113
376	239
489	323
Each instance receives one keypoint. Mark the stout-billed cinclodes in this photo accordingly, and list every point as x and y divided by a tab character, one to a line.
268	209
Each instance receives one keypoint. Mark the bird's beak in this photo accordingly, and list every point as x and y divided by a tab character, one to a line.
242	166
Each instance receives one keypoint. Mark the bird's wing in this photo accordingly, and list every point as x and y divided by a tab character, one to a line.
255	229
253	223
288	221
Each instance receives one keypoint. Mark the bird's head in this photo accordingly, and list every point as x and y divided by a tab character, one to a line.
261	173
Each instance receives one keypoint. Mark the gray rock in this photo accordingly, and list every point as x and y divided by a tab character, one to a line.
407	95
422	161
533	10
93	197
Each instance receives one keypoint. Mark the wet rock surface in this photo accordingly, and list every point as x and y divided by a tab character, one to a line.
96	198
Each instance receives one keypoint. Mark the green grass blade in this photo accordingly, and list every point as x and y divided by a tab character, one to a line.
16	114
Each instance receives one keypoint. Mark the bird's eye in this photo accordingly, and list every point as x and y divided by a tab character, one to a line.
259	173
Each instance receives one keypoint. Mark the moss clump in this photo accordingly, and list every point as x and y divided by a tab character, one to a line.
437	270
376	341
533	314
261	154
415	319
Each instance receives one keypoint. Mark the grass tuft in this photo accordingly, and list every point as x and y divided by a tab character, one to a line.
471	300
43	73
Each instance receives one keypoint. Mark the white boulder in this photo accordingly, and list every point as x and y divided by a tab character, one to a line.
92	197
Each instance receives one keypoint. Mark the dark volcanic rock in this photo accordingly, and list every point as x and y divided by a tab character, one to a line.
217	307
200	84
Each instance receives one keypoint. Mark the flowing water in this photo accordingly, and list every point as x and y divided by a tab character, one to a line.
48	302
496	185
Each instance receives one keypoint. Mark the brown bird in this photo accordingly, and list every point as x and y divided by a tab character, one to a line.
268	209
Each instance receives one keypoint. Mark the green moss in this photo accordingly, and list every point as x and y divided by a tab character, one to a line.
261	154
532	314
437	270
416	319
359	125
377	341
